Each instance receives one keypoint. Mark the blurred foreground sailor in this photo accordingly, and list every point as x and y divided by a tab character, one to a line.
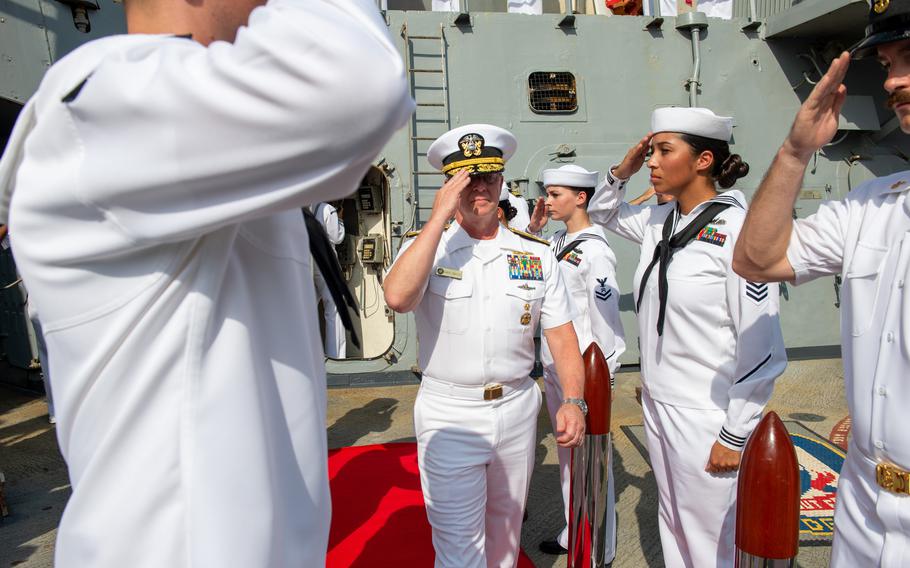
478	292
864	238
711	343
589	266
335	336
154	187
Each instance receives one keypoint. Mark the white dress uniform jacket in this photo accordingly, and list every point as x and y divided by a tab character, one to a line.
708	377
866	239
476	323
335	334
712	355
156	220
469	325
590	273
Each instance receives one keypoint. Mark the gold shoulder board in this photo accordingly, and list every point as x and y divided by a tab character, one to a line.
412	234
529	236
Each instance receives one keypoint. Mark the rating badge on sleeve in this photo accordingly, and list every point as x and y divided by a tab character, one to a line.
602	293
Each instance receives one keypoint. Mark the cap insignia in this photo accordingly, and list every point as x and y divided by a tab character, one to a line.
471	145
879	6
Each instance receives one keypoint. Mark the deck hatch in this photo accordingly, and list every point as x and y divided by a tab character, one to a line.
552	92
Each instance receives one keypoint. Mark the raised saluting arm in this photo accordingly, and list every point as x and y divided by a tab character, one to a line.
761	249
406	281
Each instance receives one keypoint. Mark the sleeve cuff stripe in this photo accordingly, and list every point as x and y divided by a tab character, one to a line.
731	439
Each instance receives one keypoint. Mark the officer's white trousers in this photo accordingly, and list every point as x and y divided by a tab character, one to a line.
335	337
871	525
476	459
696	510
554	401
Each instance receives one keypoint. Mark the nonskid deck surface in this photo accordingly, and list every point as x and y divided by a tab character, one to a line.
810	393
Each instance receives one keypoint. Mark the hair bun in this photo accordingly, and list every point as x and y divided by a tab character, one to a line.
731	170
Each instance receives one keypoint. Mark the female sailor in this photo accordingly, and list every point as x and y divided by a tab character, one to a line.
589	266
711	344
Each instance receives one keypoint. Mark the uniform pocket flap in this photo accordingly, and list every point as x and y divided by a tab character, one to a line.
450	288
867	261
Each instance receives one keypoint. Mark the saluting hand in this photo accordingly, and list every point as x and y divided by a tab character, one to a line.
538	216
722	459
570	426
635	158
446	201
818	118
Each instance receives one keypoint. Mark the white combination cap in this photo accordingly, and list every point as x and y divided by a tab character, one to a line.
477	148
570	176
697	121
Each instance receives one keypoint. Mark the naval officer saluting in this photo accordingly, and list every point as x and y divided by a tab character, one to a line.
478	292
865	238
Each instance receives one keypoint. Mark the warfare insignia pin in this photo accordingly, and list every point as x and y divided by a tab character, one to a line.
897	184
471	145
527	287
718	221
880	6
525	318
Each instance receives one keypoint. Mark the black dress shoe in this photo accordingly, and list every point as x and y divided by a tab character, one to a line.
552	547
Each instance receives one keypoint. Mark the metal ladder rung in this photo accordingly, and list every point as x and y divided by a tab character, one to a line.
416	157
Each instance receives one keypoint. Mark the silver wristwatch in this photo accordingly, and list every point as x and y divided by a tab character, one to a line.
579	402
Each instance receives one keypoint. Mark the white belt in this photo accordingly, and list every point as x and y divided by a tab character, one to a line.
490	391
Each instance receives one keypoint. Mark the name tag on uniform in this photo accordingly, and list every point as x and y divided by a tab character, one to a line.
448	272
524	266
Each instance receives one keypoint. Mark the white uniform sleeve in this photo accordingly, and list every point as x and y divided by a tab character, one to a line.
603	306
557	308
760	355
609	208
237	131
408	241
817	242
332	224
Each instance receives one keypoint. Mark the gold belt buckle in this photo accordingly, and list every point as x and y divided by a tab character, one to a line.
492	392
892	479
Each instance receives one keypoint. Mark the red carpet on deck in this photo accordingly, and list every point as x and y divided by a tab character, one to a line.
378	516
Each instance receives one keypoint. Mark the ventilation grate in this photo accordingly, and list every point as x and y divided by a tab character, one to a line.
552	92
